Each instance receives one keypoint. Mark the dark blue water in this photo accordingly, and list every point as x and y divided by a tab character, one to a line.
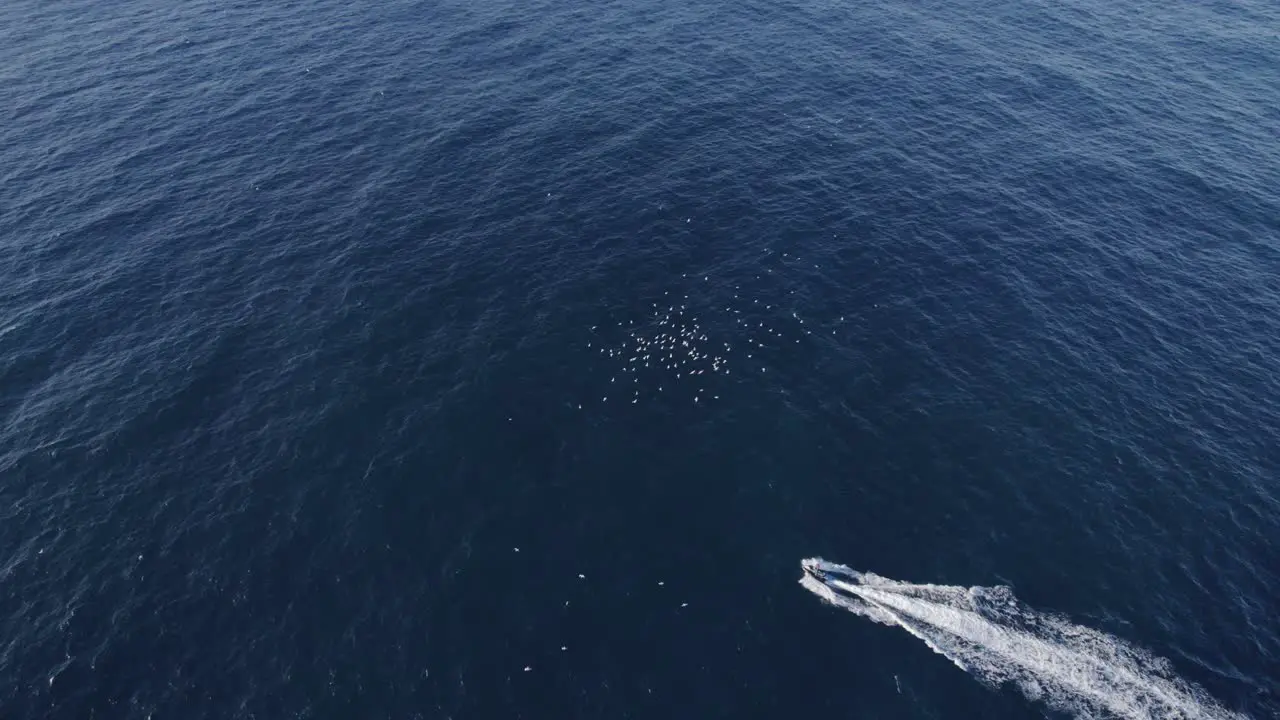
317	327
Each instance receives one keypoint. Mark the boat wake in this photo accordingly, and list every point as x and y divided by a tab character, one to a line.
995	638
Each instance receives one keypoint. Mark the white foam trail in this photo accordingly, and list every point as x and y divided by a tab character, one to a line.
995	638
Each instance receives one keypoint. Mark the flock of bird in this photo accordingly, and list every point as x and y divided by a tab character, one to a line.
679	353
672	346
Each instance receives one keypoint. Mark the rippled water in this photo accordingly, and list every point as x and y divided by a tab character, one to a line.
314	317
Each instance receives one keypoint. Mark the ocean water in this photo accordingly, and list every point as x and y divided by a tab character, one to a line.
438	359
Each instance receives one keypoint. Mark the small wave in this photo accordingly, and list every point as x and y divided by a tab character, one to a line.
988	633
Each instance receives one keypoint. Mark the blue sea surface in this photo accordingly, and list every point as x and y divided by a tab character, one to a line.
491	359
